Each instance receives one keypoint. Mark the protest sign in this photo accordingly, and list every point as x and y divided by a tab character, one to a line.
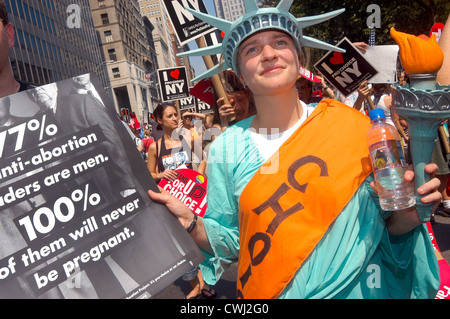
345	71
187	27
190	188
76	220
384	59
188	103
173	83
204	108
305	73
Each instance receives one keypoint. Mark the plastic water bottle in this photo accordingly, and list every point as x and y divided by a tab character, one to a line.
389	165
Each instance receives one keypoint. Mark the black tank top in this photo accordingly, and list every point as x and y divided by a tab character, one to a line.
174	157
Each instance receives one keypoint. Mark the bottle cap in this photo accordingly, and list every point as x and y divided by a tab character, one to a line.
377	114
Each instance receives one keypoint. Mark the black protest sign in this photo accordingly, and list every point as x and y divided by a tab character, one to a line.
76	220
187	26
203	107
173	84
345	71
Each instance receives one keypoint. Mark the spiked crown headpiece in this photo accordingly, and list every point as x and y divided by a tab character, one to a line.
257	19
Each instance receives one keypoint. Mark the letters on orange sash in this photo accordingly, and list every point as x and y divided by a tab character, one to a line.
282	216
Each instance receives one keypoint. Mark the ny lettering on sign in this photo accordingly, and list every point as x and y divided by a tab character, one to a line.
188	103
203	107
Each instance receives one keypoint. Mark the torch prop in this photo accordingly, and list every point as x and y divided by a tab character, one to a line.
424	104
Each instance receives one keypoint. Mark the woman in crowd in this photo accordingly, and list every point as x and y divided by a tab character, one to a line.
170	152
241	102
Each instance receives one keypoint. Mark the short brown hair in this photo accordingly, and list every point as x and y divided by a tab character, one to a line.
3	12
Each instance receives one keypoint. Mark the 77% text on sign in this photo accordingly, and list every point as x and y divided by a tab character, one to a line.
27	133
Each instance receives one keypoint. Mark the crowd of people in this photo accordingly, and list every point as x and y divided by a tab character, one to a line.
202	129
324	251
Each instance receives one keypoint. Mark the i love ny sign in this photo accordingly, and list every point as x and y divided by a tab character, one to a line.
173	84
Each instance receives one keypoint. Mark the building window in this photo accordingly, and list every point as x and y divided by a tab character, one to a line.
116	73
105	19
108	36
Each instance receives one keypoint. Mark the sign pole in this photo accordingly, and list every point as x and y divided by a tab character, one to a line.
218	87
177	105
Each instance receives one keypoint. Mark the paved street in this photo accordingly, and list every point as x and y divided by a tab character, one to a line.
226	288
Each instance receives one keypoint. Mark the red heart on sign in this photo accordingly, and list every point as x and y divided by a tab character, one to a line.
175	74
337	58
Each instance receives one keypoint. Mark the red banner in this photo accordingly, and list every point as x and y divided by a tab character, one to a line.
204	90
444	269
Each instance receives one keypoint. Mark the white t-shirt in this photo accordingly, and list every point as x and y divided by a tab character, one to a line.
268	144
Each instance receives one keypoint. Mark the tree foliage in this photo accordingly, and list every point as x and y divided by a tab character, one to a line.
414	17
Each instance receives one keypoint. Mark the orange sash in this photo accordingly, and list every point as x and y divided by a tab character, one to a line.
283	215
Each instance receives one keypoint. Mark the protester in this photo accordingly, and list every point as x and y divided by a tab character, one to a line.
8	85
139	143
440	151
192	129
382	99
402	78
167	154
305	90
163	156
241	107
12	240
306	93
315	234
147	140
441	157
157	131
357	99
212	130
193	122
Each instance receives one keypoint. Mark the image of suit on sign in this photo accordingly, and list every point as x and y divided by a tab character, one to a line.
173	84
345	71
75	217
